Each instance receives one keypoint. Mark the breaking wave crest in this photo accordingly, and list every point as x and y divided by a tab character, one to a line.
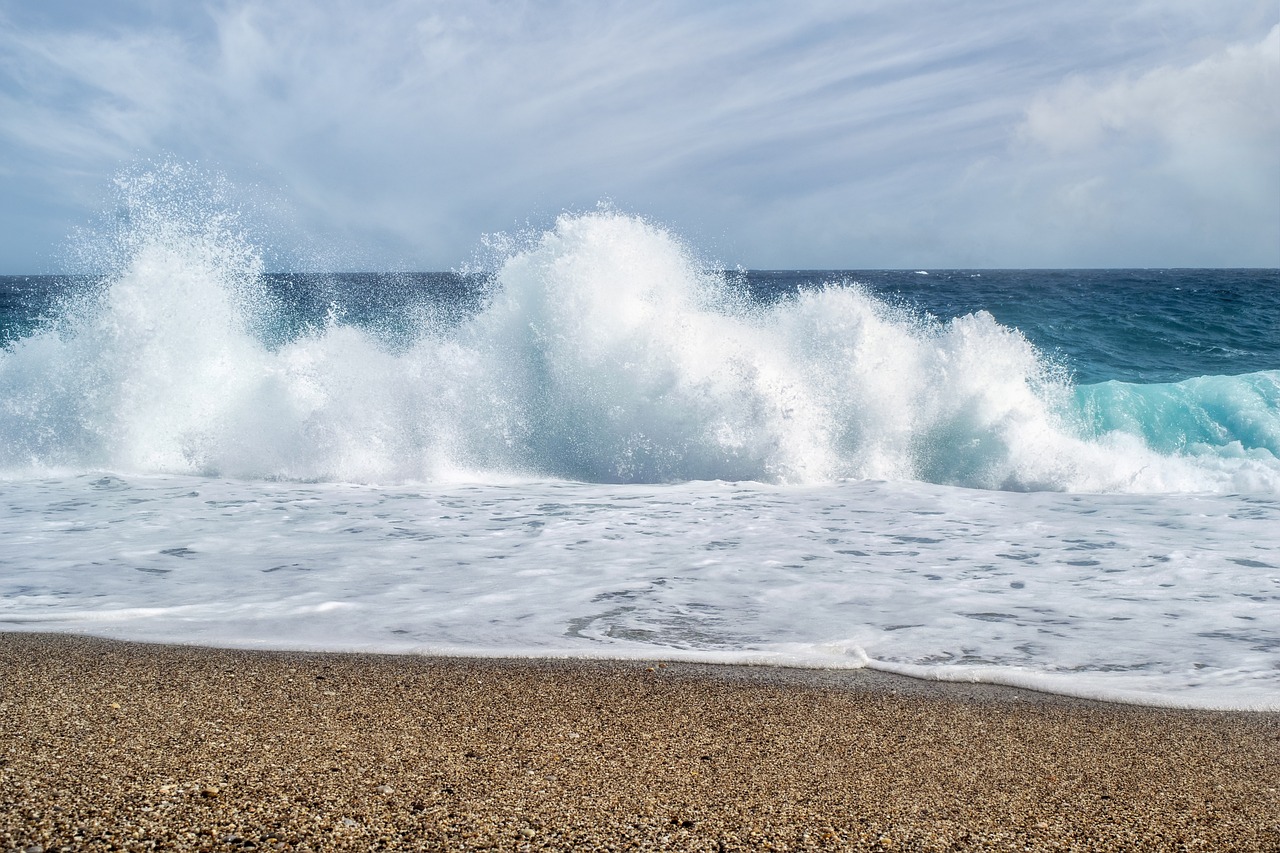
605	352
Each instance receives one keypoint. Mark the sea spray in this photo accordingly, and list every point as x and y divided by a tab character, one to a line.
604	352
618	359
141	366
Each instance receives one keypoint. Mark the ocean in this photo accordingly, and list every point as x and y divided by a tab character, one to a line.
599	444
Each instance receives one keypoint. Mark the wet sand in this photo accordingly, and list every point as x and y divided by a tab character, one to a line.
108	745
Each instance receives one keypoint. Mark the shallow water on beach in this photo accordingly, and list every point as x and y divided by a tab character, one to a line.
1154	599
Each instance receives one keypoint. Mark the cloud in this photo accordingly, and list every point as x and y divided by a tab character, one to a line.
394	133
1184	160
1219	115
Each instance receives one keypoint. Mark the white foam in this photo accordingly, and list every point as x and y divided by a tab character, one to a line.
1156	599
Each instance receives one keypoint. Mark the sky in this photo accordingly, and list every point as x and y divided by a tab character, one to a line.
856	134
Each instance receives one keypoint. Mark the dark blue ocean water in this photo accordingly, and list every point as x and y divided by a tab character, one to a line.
1139	326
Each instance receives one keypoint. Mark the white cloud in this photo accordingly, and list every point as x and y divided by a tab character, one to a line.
1184	161
1228	102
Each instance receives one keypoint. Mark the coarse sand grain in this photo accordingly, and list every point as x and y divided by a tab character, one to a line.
107	745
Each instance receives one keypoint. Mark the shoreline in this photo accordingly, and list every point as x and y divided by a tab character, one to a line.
762	669
107	744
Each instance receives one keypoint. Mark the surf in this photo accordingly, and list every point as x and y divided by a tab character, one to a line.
603	350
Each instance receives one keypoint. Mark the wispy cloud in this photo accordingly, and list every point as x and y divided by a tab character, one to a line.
819	134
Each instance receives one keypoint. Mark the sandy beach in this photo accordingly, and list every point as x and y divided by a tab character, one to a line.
119	746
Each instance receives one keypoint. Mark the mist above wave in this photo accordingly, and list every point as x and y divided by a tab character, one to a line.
605	353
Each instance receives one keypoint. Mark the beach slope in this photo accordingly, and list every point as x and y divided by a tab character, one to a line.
109	745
